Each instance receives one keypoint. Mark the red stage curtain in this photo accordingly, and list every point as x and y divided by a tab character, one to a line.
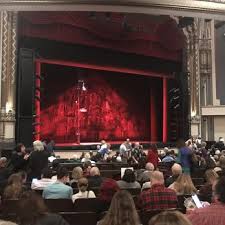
149	37
117	105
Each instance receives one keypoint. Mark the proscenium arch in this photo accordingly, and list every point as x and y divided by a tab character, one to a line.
192	8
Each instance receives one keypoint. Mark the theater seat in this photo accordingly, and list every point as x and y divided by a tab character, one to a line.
59	205
80	218
86	205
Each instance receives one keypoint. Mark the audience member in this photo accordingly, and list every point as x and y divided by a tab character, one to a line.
87	169
4	171
4	222
38	160
213	214
143	175
169	218
125	149
122	211
77	173
153	156
33	211
19	158
158	196
169	158
176	172
14	188
46	179
83	190
183	185
95	179
211	176
58	189
107	190
128	180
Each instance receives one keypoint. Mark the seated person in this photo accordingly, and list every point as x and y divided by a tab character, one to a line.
46	179
211	176
169	157
4	171
95	180
128	180
59	189
176	171
107	190
83	192
158	196
32	210
77	173
14	188
183	185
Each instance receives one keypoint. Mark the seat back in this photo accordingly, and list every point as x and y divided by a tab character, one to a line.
80	218
9	206
59	205
86	204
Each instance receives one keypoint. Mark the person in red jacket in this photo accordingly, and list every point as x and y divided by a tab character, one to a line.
153	156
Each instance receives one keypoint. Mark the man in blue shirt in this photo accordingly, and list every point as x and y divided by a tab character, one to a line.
59	190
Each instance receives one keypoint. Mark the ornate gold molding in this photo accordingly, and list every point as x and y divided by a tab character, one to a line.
206	6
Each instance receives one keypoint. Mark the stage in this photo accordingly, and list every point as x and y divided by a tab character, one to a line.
101	81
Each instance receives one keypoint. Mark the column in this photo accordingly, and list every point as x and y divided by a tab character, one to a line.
153	117
8	48
165	125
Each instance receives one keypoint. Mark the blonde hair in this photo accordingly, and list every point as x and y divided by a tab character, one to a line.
184	185
83	184
38	146
169	218
211	176
77	173
122	211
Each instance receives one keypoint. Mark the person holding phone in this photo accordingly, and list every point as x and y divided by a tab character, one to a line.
214	213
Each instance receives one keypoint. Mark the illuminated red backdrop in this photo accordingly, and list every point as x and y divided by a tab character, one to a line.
117	106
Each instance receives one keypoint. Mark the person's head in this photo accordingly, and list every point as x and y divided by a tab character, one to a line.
46	173
107	189
14	187
3	162
157	178
169	218
94	171
219	190
87	156
129	176
184	185
222	162
153	148
38	146
203	144
176	169
31	208
211	176
15	179
55	164
83	184
77	173
121	211
181	143
63	174
149	166
20	148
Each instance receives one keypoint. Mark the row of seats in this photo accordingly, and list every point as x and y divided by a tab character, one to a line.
81	205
